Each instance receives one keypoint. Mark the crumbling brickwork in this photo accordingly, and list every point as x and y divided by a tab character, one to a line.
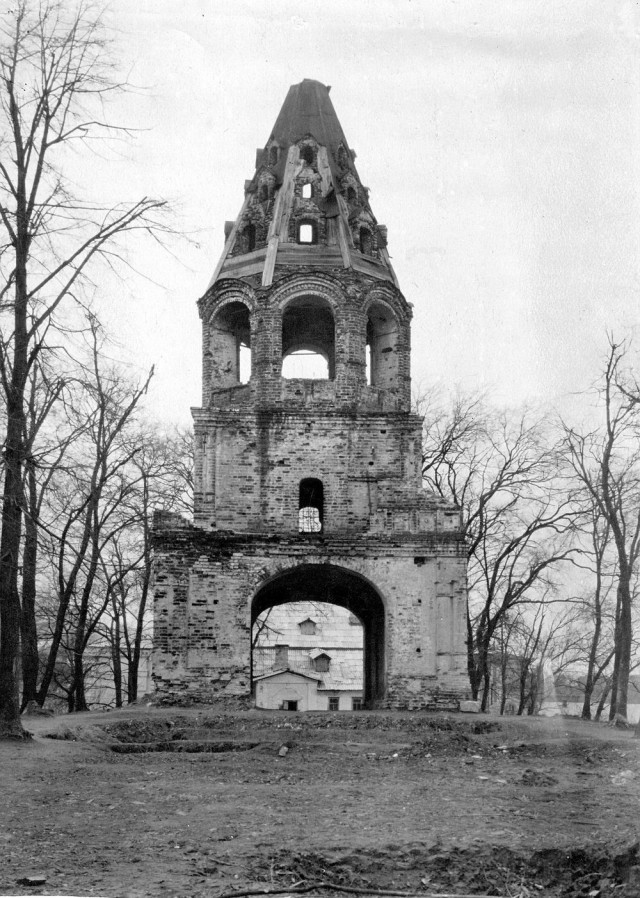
309	488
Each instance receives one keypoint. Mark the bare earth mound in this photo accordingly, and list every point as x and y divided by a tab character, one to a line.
162	801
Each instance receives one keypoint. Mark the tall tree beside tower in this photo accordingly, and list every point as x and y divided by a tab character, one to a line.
56	71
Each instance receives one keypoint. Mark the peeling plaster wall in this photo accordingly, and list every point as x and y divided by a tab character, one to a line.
203	619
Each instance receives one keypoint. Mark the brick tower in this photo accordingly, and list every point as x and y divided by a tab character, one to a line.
308	457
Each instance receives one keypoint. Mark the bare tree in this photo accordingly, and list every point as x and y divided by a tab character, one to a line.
501	468
94	494
606	462
160	473
55	74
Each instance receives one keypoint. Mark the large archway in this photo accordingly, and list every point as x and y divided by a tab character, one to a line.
334	585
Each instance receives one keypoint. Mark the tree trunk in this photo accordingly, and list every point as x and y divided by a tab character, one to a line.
475	674
115	651
134	663
624	645
10	616
29	633
486	685
602	702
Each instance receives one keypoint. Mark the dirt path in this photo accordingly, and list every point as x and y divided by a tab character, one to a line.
413	802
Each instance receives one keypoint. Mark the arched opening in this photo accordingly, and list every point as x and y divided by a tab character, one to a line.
230	346
307	191
273	155
263	194
308	339
249	238
352	196
308	656
310	505
311	586
366	242
307	154
382	346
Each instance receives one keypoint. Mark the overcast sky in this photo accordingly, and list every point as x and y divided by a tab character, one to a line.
499	141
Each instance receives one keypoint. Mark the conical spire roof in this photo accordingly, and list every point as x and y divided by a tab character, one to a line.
305	205
308	110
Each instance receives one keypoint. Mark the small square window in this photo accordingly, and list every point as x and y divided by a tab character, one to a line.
306	233
356	704
334	703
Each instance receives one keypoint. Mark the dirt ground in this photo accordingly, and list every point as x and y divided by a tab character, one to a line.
170	801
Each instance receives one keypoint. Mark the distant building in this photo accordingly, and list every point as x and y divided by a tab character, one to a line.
308	657
564	695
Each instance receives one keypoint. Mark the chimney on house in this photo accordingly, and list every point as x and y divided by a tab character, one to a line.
282	656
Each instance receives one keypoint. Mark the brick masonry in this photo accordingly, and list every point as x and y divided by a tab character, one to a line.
387	550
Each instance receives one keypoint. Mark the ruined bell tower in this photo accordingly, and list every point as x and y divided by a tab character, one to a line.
307	454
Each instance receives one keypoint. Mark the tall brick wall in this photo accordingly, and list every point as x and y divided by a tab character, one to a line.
206	584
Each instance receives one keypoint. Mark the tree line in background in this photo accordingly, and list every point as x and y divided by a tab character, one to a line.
77	466
551	515
550	510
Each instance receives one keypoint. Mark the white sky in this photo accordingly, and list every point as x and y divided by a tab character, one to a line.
500	141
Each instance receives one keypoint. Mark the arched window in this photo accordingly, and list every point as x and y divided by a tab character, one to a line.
273	155
229	346
365	241
382	346
342	156
307	232
249	238
307	191
311	506
352	196
307	154
308	339
263	195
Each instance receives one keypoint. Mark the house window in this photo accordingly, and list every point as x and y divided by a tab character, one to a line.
307	232
321	663
334	703
311	502
356	704
289	705
307	191
308	627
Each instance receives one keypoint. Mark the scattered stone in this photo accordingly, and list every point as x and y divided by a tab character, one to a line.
622	778
32	879
469	707
284	750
